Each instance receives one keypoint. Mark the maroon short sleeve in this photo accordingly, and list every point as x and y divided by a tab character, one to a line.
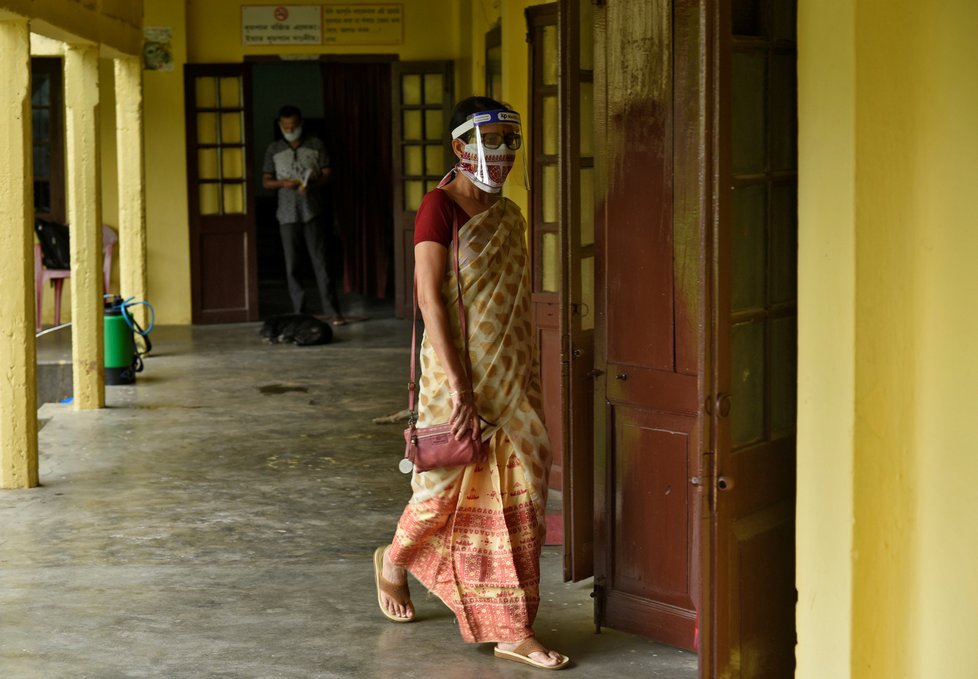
434	219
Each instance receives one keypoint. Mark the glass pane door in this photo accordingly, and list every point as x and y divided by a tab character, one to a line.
220	145
763	222
422	104
223	251
544	154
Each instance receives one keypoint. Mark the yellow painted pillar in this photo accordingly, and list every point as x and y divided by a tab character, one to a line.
132	185
85	216
18	385
827	329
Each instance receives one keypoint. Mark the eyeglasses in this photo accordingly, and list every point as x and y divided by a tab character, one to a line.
493	140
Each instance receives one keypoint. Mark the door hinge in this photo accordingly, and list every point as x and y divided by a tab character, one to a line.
705	478
704	482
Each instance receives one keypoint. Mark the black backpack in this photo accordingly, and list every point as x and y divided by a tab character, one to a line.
55	252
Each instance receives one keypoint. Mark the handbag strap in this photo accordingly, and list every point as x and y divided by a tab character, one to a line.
466	361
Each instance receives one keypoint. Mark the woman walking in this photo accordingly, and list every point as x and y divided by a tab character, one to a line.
473	534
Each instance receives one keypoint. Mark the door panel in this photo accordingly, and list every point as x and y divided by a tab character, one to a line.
577	312
562	241
220	194
755	326
543	152
645	505
422	100
548	344
650	471
649	586
222	249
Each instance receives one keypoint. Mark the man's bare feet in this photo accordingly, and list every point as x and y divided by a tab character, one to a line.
395	598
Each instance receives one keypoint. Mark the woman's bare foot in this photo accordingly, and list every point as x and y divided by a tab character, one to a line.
399	606
540	656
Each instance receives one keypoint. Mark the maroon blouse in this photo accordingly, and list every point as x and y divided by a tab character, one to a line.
434	219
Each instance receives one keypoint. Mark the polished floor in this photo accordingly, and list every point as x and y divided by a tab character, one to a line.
217	519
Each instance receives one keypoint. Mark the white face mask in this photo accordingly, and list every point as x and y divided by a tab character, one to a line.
491	177
293	135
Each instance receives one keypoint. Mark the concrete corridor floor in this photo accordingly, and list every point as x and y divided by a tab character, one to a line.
217	519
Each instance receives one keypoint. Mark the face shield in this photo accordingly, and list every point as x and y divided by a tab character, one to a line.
492	151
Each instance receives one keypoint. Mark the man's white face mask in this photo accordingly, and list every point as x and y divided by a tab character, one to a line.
293	135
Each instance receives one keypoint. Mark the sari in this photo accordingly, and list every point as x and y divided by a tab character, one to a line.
473	534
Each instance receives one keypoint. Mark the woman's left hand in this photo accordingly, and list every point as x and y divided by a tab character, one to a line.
465	417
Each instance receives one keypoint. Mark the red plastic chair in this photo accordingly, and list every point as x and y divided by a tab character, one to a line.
57	276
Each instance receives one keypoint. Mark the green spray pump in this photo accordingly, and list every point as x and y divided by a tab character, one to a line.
123	355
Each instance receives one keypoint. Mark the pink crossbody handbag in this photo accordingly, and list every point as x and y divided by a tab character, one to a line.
432	447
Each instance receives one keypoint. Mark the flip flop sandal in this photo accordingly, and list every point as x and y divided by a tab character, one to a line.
395	592
521	654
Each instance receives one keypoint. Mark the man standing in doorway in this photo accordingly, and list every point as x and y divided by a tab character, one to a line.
298	166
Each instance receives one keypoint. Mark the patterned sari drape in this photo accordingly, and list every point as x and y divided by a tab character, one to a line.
472	535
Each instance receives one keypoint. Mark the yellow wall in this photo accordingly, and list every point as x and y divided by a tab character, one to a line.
516	83
826	336
215	34
167	238
481	16
887	537
110	178
943	61
110	187
887	231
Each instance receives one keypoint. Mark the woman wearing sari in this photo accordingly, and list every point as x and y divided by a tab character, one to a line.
473	534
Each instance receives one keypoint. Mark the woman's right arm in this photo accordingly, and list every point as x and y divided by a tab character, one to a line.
430	262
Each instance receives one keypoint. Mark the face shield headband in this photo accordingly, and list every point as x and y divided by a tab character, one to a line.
489	157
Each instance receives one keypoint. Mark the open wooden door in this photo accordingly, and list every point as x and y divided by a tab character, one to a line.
755	329
221	194
696	329
544	222
577	311
562	244
422	100
649	282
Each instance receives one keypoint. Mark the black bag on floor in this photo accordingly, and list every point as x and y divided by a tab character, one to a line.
300	329
55	250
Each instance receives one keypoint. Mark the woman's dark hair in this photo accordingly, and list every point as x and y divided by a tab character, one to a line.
467	107
289	111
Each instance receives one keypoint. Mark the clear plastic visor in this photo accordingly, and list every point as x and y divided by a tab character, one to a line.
499	146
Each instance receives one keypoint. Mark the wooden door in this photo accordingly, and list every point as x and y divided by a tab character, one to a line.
577	306
221	194
422	100
755	329
648	283
543	154
562	244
